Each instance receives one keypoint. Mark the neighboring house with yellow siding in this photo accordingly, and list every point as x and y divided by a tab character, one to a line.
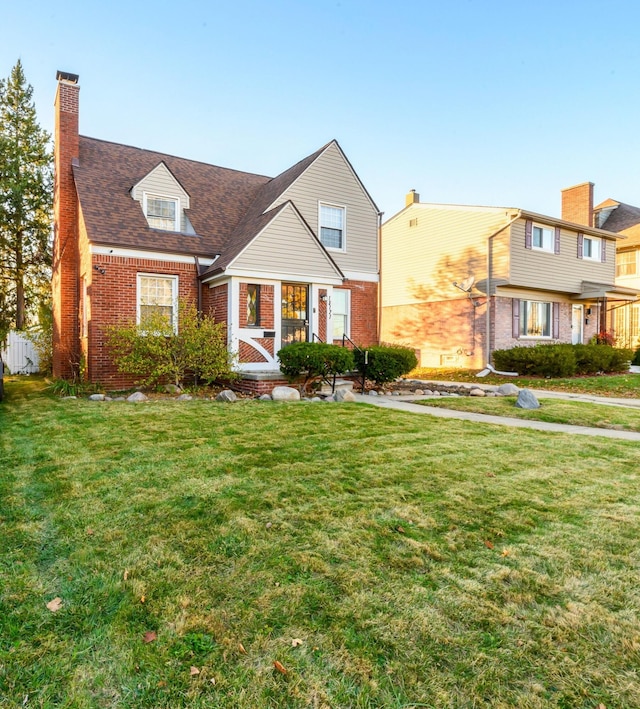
453	273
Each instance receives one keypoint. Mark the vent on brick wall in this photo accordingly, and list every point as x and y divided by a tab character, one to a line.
448	360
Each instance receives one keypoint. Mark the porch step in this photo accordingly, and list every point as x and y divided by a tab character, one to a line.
343	384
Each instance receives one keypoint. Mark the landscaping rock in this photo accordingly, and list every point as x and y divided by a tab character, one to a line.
527	400
285	394
373	392
184	397
172	388
508	389
477	392
118	398
137	397
316	398
97	397
227	395
265	397
344	395
66	398
419	392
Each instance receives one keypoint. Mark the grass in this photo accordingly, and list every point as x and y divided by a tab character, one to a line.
551	410
616	385
420	562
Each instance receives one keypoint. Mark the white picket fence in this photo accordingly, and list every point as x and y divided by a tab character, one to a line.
19	355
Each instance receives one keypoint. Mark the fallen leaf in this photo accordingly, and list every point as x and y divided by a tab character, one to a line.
162	683
491	475
268	525
280	667
55	605
488	544
212	680
150	636
295	642
400	529
89	531
194	671
241	648
143	599
125	576
506	552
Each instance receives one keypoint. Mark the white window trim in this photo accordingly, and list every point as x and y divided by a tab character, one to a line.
344	225
174	287
347	328
545	227
153	195
594	240
536	337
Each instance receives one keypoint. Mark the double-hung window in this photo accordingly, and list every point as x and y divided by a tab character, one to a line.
542	238
332	226
592	248
535	319
340	312
162	212
626	263
158	302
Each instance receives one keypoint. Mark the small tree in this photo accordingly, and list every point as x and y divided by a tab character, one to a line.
25	204
151	351
313	361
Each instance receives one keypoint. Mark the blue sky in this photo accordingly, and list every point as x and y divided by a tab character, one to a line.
468	101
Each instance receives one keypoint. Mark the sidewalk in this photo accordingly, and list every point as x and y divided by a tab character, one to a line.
404	403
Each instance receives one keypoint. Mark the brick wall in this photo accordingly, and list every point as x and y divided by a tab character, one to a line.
364	311
113	298
577	204
214	302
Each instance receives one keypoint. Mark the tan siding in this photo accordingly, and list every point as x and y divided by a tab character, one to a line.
331	180
162	183
420	263
286	246
562	272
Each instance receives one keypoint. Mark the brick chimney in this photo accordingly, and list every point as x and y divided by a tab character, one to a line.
412	198
65	270
577	204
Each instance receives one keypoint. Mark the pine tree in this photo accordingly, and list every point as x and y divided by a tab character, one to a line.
26	194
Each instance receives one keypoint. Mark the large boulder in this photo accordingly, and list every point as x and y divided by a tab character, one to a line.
227	395
344	395
477	392
282	393
527	400
508	389
137	397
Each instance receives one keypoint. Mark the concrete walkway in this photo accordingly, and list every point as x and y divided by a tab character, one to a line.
404	403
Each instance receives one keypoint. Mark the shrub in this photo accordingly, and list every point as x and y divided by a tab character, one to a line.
150	352
636	358
603	338
385	363
314	360
562	360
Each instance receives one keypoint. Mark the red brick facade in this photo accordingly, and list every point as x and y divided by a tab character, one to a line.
364	312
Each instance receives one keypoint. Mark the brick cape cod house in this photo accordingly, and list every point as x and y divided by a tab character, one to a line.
278	260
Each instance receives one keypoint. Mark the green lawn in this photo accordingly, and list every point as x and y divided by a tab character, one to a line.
576	413
617	385
420	562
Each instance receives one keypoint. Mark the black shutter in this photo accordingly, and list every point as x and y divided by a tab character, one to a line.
515	318
527	233
556	244
580	244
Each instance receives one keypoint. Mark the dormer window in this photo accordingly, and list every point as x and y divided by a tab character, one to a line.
162	212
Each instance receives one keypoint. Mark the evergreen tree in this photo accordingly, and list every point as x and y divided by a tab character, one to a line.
26	193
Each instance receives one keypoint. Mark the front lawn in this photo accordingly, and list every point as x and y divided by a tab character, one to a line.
617	385
575	413
381	559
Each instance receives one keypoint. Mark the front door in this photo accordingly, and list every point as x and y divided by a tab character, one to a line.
295	313
576	324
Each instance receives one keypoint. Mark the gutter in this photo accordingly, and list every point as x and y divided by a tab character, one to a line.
379	323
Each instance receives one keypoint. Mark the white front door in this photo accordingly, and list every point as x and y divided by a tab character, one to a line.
577	320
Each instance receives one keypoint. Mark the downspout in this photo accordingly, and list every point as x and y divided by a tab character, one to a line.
379	318
198	285
489	270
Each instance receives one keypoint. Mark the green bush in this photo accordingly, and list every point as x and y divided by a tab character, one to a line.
636	358
562	360
152	352
385	363
311	361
